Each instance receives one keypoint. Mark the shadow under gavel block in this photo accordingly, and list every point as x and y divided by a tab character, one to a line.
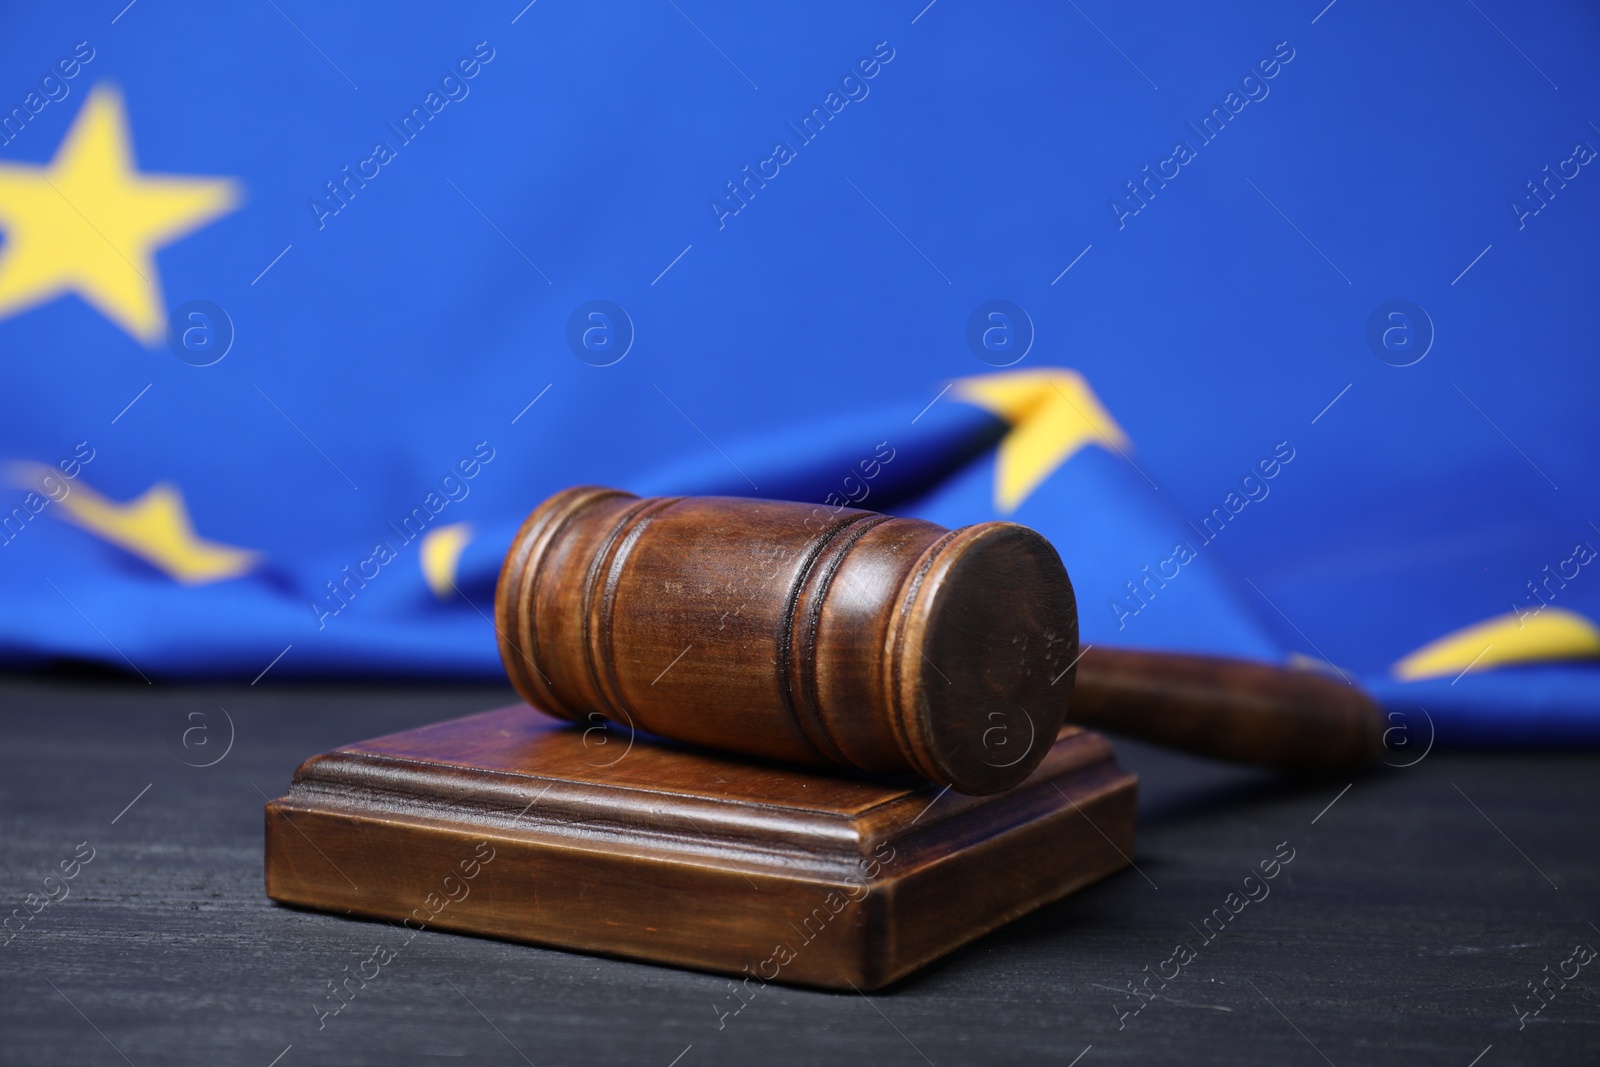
512	824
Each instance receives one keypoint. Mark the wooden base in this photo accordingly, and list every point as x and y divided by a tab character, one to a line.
512	824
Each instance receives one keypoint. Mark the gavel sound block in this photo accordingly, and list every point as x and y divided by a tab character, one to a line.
514	824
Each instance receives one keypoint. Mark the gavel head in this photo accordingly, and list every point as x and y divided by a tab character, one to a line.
807	634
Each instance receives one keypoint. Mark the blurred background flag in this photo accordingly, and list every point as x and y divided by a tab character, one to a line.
1274	319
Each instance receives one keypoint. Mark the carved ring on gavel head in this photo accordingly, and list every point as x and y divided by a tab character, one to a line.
793	632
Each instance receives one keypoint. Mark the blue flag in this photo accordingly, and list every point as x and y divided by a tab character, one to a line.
1276	321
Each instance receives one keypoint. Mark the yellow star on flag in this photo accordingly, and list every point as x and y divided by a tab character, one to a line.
1505	640
1053	414
440	556
90	223
154	526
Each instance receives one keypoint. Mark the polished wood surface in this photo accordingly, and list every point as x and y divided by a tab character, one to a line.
1296	720
834	636
807	634
513	824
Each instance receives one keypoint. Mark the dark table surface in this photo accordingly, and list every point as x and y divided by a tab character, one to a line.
1417	911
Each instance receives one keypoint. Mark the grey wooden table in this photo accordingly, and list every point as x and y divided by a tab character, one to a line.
1420	908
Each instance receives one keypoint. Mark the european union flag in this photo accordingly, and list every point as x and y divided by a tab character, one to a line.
1272	319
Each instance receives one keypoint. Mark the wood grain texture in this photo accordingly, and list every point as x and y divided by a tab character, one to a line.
1229	709
510	824
1400	936
844	637
801	633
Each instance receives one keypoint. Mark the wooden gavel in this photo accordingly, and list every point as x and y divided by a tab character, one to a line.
828	635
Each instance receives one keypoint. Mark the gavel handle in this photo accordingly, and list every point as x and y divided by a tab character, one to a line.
1230	709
